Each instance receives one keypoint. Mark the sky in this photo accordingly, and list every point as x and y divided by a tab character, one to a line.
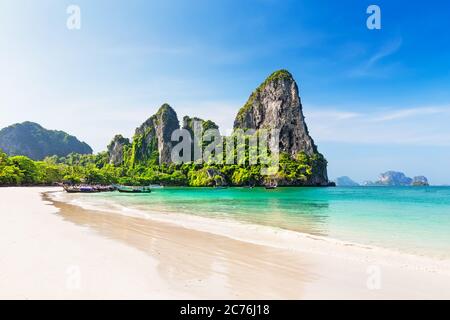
374	100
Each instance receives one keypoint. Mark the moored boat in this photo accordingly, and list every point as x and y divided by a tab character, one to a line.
126	189
88	189
81	189
156	186
271	186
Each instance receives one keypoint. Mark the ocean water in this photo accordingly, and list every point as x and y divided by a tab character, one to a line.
409	219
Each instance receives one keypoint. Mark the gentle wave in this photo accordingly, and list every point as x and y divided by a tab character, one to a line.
269	236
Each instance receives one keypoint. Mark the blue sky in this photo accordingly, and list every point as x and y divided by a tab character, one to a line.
375	100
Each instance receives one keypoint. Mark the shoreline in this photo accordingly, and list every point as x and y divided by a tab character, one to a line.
44	257
279	238
207	265
320	252
131	257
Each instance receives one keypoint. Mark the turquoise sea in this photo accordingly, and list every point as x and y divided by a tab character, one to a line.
410	219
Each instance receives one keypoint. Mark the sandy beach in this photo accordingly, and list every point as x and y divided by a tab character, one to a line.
51	249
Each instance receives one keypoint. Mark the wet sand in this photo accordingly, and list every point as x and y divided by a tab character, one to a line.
203	264
56	250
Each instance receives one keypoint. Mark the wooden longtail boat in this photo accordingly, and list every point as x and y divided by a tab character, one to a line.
272	185
80	189
88	189
134	189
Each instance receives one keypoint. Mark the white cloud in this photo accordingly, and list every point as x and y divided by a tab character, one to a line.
333	114
425	126
388	49
372	66
413	112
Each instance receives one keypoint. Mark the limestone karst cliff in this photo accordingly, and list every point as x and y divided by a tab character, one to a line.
152	140
276	104
117	149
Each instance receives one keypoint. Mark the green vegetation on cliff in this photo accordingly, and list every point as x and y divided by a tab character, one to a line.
147	158
277	75
95	169
32	140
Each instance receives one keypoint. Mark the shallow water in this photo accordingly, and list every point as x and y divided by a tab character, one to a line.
413	220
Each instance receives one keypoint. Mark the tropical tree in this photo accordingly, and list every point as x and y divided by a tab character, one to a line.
27	167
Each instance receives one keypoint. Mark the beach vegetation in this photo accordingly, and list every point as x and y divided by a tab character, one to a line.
95	169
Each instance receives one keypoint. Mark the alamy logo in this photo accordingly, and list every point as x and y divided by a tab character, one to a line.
74	19
374	278
73	280
374	20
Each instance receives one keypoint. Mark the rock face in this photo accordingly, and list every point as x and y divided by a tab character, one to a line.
276	104
32	140
116	149
217	178
193	124
398	179
394	178
420	181
207	124
346	182
152	140
188	124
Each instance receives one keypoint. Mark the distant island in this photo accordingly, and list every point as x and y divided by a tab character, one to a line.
398	179
346	182
146	158
389	179
35	142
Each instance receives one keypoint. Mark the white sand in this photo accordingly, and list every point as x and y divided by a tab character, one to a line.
128	257
42	256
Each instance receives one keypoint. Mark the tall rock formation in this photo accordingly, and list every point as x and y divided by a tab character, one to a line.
276	104
152	140
394	178
188	124
197	127
117	149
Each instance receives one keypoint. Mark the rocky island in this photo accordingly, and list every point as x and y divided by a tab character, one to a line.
398	179
146	158
274	104
346	182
